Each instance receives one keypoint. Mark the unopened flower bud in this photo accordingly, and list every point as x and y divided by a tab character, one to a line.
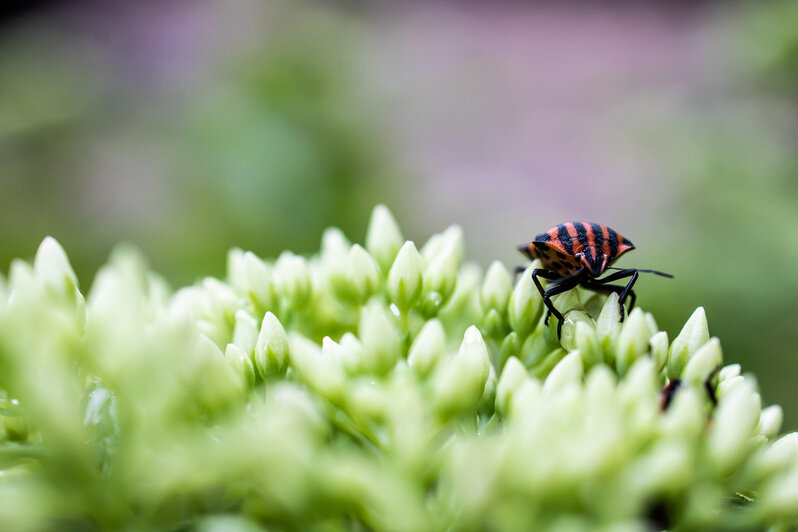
703	362
513	375
381	343
294	276
633	340
271	347
525	304
734	421
245	333
241	363
427	348
383	238
497	287
363	273
659	349
405	277
459	384
693	335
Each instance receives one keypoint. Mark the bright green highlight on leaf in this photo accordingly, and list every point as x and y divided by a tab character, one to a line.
376	387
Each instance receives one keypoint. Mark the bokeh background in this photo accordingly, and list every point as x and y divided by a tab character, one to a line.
187	128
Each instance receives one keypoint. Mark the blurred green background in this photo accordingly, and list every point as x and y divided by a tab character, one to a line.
191	127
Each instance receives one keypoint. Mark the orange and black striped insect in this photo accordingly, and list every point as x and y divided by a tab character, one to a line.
576	254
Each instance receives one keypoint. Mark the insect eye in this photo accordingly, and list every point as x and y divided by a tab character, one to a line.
578	256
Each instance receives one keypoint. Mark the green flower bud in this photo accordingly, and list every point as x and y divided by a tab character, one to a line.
349	351
214	382
493	324
405	277
703	362
567	372
438	243
245	333
525	304
608	324
271	347
241	363
770	421
497	287
459	384
587	343
568	338
685	418
781	455
440	274
363	273
427	348
381	342
513	375
633	340
294	278
727	372
251	276
693	335
659	349
780	497
383	238
510	347
325	375
51	267
730	435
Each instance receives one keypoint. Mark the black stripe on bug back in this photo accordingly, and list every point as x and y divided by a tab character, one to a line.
587	250
613	243
598	238
565	238
542	237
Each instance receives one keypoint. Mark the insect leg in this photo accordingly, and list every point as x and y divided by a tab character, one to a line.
563	284
610	288
624	292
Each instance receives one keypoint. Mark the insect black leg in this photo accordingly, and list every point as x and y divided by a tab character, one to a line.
563	284
611	288
622	291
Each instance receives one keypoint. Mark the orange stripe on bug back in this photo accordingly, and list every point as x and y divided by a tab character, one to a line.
575	243
605	245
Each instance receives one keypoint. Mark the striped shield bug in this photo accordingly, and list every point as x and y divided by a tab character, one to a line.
576	254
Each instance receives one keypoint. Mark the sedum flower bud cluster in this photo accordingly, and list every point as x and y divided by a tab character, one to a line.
378	387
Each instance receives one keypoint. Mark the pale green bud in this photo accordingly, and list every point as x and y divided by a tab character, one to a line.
349	351
704	361
659	349
567	372
493	325
294	277
685	417
510	347
323	374
734	421
513	376
427	348
383	238
241	363
363	273
51	267
440	274
366	400
460	383
727	372
271	347
728	384
633	340
497	287
465	299
770	421
405	277
245	333
780	496
451	237
693	335
250	275
215	382
526	399
381	342
639	384
600	386
608	324
525	304
587	343
568	339
781	455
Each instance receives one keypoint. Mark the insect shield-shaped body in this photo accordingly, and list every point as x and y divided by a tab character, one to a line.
576	254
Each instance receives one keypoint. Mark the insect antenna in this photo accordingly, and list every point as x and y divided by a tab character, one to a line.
663	274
